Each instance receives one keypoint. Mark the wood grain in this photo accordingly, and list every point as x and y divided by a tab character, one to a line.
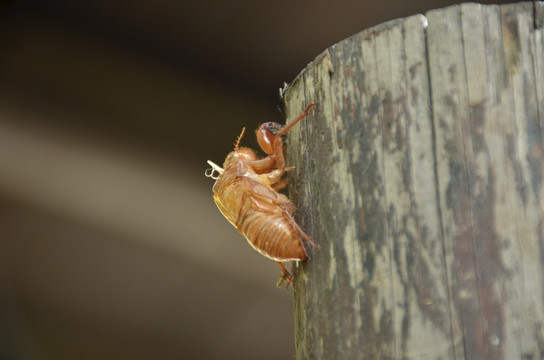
419	176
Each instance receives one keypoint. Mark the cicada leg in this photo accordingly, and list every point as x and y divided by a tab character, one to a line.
278	144
277	182
280	184
285	275
263	165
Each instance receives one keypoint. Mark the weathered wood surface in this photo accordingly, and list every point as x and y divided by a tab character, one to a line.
420	177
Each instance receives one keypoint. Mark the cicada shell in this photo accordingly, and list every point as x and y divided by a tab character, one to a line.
246	193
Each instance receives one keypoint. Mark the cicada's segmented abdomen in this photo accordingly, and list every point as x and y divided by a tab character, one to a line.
273	236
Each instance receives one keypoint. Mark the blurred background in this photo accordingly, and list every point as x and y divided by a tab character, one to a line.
110	244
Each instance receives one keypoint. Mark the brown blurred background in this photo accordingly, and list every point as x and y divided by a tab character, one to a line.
110	244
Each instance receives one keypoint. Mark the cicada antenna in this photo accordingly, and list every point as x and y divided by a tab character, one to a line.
238	139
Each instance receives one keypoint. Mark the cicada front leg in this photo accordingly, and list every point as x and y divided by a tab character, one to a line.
270	137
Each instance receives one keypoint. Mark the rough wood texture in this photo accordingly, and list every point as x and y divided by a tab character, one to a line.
420	177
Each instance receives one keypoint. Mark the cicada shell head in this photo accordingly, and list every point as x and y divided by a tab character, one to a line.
244	154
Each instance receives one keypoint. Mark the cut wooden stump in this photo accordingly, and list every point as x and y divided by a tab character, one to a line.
420	177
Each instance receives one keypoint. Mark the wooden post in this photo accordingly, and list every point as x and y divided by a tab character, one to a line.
420	175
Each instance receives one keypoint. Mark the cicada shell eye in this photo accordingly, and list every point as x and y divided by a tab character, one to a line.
243	154
246	154
266	135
